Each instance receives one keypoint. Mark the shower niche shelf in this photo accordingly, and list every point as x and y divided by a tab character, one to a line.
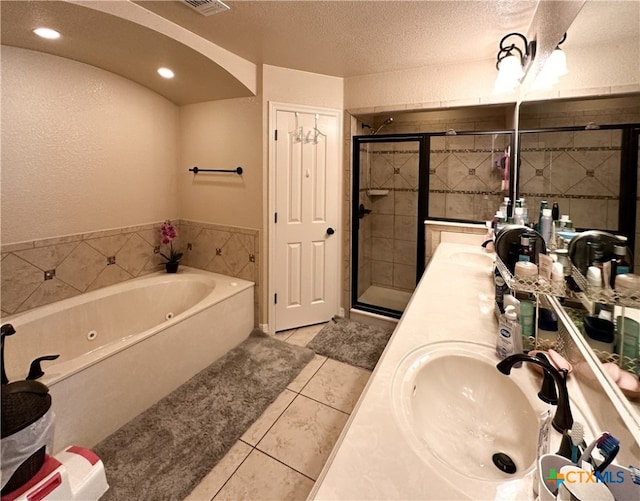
377	192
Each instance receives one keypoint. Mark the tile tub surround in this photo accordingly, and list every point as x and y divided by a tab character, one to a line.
373	459
82	263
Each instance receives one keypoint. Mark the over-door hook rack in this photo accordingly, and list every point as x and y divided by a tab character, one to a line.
237	170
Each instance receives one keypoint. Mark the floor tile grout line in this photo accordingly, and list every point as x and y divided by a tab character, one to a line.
285	464
235	469
255	448
325	404
314	374
276	419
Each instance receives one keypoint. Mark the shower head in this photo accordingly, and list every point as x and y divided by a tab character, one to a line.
384	124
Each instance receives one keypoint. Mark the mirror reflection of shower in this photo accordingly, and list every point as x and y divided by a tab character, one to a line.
373	130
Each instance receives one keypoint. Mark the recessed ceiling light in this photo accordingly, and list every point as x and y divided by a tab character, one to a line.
165	73
47	33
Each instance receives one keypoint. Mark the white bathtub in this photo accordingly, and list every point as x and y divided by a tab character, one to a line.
124	347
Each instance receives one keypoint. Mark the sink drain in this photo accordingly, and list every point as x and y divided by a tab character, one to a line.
504	463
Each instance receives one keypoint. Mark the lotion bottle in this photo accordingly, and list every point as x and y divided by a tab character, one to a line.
545	226
509	337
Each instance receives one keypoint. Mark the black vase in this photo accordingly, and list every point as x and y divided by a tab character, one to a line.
172	266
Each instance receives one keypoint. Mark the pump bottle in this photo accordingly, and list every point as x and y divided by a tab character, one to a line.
509	335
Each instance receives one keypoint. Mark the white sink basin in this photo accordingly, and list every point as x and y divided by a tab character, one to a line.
457	410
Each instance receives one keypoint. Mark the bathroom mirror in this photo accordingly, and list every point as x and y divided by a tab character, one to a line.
603	57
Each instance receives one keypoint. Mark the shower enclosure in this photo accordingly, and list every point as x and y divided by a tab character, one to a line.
399	181
389	205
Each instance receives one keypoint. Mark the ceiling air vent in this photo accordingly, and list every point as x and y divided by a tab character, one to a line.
207	7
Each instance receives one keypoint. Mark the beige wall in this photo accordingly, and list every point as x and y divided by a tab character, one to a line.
82	149
301	87
426	87
221	135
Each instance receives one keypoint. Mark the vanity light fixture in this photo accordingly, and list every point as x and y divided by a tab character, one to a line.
554	67
47	33
558	59
513	61
165	73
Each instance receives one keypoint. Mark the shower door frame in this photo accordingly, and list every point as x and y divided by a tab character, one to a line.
423	204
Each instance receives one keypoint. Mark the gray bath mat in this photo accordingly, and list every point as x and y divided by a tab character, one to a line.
163	453
352	342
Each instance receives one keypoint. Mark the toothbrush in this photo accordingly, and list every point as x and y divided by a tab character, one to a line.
608	446
635	474
586	453
577	438
571	439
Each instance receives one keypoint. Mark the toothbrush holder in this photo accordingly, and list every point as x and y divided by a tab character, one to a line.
548	468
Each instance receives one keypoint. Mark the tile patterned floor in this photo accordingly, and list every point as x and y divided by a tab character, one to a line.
281	455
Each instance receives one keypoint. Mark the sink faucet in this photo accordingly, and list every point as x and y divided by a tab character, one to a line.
563	420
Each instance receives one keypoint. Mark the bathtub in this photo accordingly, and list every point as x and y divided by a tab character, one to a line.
124	347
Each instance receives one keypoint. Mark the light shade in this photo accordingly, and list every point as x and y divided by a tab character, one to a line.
509	74
557	62
554	67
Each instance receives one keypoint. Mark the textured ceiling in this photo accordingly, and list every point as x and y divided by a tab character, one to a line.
349	38
339	38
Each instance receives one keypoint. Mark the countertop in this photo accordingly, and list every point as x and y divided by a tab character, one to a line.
372	459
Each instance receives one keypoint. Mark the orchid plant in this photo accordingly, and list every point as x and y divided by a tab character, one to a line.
167	235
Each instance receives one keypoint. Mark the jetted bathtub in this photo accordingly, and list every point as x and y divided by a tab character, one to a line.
124	347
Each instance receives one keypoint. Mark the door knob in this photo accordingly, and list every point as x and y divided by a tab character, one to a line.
330	231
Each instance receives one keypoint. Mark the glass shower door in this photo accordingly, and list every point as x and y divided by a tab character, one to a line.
387	217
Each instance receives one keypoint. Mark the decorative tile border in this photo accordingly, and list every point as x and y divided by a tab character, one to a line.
568	196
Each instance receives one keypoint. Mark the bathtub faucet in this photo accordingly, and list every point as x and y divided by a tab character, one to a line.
35	371
5	330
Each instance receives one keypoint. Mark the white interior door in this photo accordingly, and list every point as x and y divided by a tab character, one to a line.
306	270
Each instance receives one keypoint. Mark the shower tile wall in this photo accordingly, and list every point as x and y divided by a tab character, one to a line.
463	181
578	168
389	233
82	263
465	176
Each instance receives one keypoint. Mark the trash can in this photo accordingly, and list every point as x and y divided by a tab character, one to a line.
26	431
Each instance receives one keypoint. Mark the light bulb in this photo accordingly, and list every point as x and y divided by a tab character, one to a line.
47	33
557	62
165	73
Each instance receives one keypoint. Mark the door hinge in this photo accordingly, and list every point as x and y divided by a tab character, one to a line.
275	217
275	298
275	136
